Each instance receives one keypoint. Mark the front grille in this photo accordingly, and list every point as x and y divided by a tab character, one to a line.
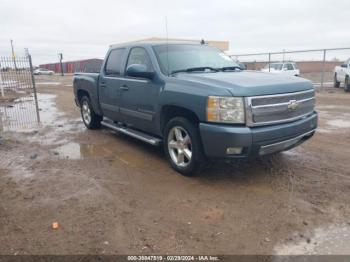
273	109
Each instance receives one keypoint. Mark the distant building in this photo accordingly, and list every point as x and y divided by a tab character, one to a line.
88	66
94	65
222	45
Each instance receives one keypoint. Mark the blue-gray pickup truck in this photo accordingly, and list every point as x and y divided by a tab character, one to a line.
195	101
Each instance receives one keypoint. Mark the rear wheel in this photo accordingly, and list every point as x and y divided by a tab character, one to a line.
90	118
183	147
347	84
336	83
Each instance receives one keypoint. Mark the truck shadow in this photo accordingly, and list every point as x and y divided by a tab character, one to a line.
154	159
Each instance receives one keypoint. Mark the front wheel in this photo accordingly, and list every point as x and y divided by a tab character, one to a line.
336	82
90	118
347	84
183	146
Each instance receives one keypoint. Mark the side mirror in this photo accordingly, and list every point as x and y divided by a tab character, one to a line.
137	70
344	65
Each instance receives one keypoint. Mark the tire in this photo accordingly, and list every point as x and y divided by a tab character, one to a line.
182	143
336	83
90	118
347	84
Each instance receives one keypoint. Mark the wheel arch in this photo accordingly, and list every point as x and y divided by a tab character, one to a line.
81	93
170	111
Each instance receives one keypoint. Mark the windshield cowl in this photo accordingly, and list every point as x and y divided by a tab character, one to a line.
207	69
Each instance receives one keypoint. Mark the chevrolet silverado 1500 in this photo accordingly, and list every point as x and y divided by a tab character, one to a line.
195	101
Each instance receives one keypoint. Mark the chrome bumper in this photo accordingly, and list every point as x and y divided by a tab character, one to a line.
283	145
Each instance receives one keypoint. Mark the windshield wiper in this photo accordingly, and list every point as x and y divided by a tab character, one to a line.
229	68
193	69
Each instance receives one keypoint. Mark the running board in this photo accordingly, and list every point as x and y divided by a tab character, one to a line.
133	133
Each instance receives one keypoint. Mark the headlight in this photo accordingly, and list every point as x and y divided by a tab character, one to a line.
225	109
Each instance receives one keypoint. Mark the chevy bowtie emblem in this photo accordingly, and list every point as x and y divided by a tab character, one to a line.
293	104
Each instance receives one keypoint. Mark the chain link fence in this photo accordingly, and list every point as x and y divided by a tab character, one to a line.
18	100
316	65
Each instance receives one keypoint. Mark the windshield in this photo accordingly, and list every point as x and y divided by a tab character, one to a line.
275	66
183	56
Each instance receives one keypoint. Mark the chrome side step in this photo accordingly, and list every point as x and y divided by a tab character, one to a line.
133	133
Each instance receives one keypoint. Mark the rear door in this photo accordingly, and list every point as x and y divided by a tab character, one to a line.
139	96
111	79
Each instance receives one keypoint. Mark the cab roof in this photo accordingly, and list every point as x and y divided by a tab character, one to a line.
154	43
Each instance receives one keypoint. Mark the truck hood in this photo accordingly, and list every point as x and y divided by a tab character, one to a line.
249	83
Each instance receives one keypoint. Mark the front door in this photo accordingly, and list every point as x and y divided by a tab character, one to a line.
139	95
109	84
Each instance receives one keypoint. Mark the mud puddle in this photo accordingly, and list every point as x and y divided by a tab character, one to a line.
73	150
339	123
49	83
332	240
21	117
337	107
331	123
116	153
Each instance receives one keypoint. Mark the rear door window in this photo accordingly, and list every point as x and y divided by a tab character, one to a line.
114	62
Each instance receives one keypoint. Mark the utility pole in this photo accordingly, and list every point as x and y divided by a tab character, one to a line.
60	55
13	55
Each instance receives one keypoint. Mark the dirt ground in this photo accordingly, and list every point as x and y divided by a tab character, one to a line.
112	194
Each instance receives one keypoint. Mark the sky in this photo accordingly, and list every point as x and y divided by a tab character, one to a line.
84	29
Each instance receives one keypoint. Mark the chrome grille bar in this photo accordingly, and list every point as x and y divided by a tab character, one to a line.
274	109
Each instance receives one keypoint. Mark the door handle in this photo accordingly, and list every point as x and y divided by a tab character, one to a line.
103	84
124	88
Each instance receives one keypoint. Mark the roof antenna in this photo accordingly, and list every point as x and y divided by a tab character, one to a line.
167	44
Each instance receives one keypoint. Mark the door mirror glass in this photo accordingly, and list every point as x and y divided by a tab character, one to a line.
137	70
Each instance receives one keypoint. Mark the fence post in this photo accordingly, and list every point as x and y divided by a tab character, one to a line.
269	61
323	67
34	88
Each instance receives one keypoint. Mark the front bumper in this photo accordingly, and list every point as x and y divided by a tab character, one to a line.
255	141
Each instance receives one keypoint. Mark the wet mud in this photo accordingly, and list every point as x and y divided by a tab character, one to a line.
112	194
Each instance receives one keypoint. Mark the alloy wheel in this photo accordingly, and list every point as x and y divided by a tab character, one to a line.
85	110
180	146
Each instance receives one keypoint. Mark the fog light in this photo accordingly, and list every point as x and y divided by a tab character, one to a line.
234	150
